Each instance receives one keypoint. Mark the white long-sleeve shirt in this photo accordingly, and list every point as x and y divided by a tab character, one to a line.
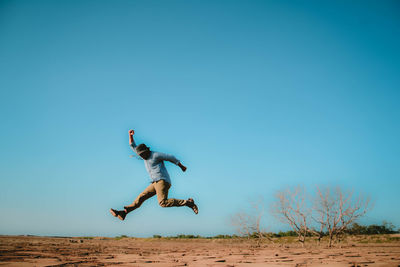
155	165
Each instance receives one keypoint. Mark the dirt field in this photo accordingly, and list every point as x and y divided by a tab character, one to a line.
49	251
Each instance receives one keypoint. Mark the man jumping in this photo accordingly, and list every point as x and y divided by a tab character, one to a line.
160	181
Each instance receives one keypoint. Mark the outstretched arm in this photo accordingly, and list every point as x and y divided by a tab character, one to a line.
183	168
172	159
131	141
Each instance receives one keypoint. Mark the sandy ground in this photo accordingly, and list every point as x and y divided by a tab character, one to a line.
51	251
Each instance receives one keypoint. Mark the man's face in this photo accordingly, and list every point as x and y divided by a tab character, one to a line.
145	154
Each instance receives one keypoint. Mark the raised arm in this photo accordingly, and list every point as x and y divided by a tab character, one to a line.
171	158
131	141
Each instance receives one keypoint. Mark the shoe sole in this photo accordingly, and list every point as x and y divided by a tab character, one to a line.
113	212
194	207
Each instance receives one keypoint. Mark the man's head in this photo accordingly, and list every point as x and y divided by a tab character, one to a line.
143	151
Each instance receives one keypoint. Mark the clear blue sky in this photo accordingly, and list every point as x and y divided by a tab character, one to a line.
252	96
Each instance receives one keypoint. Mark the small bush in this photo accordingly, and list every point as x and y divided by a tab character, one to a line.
282	234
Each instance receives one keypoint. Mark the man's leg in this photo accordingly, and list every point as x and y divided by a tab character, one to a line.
146	194
162	188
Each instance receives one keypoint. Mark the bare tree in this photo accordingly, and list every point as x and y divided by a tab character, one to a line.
319	220
335	210
291	206
249	223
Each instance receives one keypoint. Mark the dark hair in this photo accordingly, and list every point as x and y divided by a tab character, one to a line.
141	148
143	151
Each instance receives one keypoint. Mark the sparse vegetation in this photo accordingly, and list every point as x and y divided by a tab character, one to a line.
359	233
183	236
291	207
120	237
335	210
373	229
248	224
330	215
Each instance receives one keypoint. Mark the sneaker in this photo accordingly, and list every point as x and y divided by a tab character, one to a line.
120	214
190	204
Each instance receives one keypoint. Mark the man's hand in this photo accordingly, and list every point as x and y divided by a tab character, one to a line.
131	133
183	168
